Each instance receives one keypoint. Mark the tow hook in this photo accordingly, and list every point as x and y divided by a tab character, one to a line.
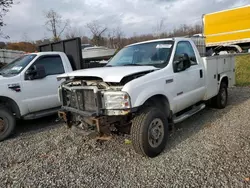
62	115
66	117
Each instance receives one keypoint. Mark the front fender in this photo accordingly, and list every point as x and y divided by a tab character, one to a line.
148	93
12	104
8	94
140	93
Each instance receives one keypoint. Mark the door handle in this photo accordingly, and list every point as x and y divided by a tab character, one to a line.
201	73
15	87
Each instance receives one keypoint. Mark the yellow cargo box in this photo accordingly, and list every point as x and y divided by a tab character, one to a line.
227	27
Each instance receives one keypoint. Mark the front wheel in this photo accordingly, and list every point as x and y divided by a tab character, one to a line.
7	123
149	132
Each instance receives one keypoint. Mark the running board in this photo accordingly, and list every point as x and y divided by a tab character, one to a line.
41	114
189	113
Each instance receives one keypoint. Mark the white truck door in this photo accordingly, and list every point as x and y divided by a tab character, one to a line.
190	83
41	94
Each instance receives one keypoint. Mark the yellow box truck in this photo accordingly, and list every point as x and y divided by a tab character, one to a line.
228	27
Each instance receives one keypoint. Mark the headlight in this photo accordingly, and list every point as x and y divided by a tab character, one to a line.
116	100
59	92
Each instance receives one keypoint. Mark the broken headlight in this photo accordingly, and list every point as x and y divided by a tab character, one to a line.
116	100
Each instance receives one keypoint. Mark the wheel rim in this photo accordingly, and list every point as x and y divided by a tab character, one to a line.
156	132
2	125
223	96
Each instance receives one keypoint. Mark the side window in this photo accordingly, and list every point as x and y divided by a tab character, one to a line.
53	64
186	47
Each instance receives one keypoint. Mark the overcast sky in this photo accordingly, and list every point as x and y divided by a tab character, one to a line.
25	21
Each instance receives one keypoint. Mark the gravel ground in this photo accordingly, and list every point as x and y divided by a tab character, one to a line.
211	149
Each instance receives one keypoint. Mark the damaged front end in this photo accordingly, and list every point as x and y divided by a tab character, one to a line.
94	106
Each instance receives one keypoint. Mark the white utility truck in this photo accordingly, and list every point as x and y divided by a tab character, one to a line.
145	88
29	85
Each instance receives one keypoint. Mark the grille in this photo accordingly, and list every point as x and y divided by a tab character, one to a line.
81	99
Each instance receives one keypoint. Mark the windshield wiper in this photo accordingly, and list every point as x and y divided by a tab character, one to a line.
8	73
132	64
129	64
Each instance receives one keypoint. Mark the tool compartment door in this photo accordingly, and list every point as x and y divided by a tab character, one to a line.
211	68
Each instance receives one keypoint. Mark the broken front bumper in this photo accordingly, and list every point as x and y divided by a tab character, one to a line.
89	101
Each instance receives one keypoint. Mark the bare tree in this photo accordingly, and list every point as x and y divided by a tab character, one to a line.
111	39
85	40
186	30
197	29
97	31
115	38
5	5
159	28
73	32
55	24
119	35
2	45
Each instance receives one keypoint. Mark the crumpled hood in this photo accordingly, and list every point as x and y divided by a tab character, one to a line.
109	74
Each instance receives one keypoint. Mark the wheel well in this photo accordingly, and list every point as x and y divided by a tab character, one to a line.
225	80
160	101
11	105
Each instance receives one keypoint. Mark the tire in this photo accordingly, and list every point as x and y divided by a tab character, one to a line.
220	100
7	123
141	134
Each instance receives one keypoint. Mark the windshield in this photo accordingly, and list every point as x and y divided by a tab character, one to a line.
154	53
16	66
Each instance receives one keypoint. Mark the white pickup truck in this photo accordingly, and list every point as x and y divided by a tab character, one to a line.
28	88
145	88
29	85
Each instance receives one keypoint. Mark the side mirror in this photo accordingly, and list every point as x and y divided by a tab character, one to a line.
182	63
35	72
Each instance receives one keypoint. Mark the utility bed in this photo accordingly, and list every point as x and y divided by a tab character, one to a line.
215	68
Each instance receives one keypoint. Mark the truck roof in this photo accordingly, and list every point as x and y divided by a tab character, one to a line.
159	40
48	53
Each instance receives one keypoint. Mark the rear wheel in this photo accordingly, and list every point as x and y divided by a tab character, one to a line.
7	123
149	132
220	100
